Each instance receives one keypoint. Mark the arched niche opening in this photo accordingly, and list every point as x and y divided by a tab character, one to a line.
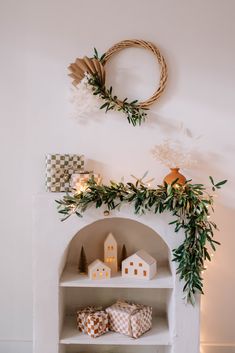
133	234
79	291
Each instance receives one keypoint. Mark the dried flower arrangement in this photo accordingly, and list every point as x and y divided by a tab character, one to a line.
172	155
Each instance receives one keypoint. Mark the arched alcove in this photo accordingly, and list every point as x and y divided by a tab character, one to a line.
133	234
80	291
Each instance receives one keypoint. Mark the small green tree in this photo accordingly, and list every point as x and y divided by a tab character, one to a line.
123	256
82	264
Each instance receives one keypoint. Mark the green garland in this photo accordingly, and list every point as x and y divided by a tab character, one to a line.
134	114
190	205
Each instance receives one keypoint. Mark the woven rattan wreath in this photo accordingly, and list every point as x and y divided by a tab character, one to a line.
91	72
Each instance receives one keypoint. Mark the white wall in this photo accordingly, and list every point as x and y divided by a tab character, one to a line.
38	41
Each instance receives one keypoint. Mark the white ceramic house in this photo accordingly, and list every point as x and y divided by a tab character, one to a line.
139	265
98	270
110	253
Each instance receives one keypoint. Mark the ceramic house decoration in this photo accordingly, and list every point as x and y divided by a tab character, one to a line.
97	270
140	265
110	253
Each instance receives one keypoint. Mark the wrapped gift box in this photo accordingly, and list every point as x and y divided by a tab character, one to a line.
79	181
59	168
130	319
92	321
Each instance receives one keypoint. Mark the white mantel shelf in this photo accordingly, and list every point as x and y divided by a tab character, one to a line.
158	335
70	278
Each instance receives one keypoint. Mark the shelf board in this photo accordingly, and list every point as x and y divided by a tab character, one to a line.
158	336
70	278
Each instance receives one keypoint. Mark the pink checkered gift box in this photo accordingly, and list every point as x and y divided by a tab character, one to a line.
92	321
130	319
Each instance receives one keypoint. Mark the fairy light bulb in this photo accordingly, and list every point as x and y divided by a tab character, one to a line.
81	186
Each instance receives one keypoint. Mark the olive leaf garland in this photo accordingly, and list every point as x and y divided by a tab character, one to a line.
190	205
134	114
93	70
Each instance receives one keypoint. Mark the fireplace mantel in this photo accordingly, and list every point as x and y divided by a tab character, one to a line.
57	285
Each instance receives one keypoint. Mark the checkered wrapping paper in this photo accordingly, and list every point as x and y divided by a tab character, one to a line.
97	324
59	168
130	319
94	323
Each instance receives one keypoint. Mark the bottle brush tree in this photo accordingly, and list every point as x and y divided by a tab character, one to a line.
123	255
82	264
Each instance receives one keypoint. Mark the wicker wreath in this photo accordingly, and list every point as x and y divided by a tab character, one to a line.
93	70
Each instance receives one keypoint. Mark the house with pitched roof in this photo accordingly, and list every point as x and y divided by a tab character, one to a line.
98	270
139	265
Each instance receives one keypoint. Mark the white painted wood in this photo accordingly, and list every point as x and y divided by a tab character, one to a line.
15	346
56	243
158	335
71	278
78	297
116	349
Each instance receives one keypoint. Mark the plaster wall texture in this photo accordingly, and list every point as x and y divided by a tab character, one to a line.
38	41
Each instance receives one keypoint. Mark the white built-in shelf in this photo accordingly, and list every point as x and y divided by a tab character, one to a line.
71	278
157	336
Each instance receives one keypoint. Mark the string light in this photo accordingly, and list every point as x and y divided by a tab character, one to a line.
73	208
79	181
80	187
